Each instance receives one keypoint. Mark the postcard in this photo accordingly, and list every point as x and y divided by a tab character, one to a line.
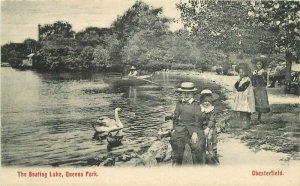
168	92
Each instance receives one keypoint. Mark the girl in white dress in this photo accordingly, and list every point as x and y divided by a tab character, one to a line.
244	101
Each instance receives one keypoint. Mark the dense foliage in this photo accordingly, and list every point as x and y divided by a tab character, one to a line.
214	31
283	19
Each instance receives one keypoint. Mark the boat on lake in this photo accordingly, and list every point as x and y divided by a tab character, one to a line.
120	80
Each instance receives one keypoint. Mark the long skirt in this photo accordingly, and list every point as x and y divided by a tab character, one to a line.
261	100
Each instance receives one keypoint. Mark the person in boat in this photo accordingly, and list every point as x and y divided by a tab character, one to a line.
187	127
207	97
132	72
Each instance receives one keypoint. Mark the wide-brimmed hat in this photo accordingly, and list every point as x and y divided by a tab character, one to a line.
205	92
187	87
243	66
132	68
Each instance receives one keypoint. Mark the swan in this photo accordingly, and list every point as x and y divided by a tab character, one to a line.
107	125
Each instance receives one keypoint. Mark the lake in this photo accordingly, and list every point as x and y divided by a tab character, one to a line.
46	117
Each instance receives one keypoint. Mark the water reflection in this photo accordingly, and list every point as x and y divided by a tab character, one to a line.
49	116
132	95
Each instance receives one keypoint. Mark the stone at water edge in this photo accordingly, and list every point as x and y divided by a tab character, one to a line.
108	162
134	162
157	151
168	153
125	157
160	155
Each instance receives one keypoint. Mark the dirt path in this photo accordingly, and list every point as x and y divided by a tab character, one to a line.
276	95
233	152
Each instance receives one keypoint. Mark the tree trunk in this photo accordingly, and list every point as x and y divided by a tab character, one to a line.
289	60
226	66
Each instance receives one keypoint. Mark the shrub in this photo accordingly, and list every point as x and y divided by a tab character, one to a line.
183	67
157	66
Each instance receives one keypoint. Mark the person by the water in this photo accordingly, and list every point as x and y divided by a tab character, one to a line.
259	80
207	97
132	72
244	102
187	127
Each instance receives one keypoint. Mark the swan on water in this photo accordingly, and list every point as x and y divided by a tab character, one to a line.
107	125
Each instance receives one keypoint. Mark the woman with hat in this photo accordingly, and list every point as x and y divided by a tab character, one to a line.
207	97
259	79
187	126
244	102
132	72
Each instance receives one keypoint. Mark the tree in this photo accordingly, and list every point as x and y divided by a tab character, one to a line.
179	48
50	31
221	24
86	57
112	44
54	53
13	53
31	45
140	19
93	36
15	58
101	58
141	32
282	18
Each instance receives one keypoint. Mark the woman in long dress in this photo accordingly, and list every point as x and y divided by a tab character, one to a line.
259	80
244	102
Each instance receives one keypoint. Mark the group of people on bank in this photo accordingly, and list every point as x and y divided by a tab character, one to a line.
194	119
251	93
194	123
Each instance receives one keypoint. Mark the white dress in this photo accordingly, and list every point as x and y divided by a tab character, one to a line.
244	101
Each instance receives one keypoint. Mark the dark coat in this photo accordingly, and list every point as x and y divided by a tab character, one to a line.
188	117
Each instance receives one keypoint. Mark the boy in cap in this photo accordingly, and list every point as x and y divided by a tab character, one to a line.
187	126
209	122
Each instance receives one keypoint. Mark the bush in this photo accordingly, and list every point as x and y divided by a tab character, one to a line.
115	68
183	67
157	66
204	66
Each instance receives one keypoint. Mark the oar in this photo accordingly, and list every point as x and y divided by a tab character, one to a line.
148	81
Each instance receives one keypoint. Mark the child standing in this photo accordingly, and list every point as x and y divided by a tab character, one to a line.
259	79
209	123
244	101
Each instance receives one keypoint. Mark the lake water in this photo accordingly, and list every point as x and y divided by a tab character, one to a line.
46	118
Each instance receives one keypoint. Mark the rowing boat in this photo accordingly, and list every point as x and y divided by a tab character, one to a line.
123	81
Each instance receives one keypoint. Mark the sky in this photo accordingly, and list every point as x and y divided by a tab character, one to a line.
19	18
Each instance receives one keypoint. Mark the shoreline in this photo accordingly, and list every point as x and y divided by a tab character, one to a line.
282	152
284	149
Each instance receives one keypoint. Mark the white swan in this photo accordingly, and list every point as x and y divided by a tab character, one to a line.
107	125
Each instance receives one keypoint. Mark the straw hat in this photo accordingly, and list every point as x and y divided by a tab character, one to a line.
187	87
205	92
132	68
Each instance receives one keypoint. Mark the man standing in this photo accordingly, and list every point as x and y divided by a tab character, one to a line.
187	126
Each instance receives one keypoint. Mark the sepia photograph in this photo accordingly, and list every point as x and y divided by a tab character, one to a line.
150	92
